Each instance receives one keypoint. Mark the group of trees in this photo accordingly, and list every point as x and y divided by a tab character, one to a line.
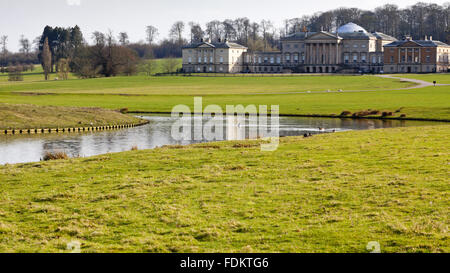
106	57
417	21
15	71
63	43
25	56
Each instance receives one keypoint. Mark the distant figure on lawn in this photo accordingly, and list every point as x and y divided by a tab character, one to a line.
434	82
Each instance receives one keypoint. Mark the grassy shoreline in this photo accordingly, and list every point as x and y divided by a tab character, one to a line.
22	116
328	193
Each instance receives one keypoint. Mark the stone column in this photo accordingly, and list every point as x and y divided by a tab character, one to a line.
333	54
320	53
329	54
309	54
337	53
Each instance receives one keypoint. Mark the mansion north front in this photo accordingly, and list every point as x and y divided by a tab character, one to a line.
350	49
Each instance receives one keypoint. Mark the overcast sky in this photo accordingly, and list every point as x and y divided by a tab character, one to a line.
29	17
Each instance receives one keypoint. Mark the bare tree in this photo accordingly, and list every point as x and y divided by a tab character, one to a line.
25	45
266	28
63	68
176	32
214	30
197	32
123	38
152	33
4	44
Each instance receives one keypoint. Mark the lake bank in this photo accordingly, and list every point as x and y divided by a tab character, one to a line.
157	132
24	116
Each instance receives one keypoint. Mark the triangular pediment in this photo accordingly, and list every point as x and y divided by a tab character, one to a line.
205	45
410	44
323	35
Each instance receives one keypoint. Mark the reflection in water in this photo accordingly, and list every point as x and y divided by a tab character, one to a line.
21	149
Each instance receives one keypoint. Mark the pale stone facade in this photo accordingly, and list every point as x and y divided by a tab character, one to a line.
208	57
351	49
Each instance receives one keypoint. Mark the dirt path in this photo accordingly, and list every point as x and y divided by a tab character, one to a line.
420	83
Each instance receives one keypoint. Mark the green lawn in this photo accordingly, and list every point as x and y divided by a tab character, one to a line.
160	94
159	67
328	193
432	102
204	85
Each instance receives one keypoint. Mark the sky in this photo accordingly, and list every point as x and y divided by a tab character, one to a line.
29	17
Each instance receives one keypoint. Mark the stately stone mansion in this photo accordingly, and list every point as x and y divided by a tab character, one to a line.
350	49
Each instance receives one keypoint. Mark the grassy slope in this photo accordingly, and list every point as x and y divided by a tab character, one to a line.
159	65
331	193
32	116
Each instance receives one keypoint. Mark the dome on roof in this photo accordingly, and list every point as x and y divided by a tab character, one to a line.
350	28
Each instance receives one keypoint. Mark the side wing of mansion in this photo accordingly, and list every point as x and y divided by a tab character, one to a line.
348	50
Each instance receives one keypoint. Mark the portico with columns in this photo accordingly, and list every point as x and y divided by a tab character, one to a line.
323	53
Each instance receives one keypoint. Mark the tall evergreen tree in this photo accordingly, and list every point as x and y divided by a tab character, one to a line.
46	59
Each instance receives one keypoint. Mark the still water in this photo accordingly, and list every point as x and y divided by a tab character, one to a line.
31	148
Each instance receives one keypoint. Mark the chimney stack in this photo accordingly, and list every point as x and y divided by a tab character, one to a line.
431	38
426	38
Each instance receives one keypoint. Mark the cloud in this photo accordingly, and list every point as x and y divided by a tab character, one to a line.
73	2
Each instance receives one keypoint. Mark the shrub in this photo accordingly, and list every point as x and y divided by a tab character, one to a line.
361	114
346	113
387	114
124	110
15	73
55	156
134	148
403	116
374	112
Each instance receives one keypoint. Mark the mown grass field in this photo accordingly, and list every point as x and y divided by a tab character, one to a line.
329	193
144	85
431	102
